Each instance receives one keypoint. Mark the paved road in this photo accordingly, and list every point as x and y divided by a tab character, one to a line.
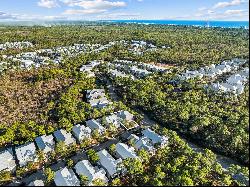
224	161
81	155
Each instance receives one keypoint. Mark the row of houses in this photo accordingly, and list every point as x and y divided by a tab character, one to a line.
131	70
234	84
108	166
150	67
55	55
46	143
115	73
213	70
97	98
89	68
15	45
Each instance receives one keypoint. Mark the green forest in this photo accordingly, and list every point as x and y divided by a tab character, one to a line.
39	101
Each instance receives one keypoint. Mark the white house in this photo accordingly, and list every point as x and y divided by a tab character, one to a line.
95	93
7	160
109	163
144	143
124	151
26	153
125	115
99	103
45	143
86	169
66	177
64	136
81	132
236	79
133	138
112	120
94	124
36	183
154	137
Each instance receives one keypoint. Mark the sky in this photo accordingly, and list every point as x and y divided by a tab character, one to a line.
236	10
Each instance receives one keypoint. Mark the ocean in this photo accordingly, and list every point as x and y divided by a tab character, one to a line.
224	24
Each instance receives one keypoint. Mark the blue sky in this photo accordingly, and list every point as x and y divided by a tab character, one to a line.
124	9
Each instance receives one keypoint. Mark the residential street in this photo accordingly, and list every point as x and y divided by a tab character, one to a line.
224	161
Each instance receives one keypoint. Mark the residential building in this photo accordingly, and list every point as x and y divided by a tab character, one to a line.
81	132
94	124
36	183
123	151
109	163
154	137
26	153
64	136
86	169
66	177
45	143
7	160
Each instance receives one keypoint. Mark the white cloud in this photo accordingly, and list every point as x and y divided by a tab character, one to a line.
95	4
48	3
4	15
119	15
202	9
84	11
235	12
92	6
228	4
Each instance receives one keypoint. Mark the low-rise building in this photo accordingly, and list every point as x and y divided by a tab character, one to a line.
45	143
95	125
95	94
154	137
96	98
81	132
7	160
109	163
86	169
112	120
36	183
125	115
64	136
123	151
144	143
26	153
66	177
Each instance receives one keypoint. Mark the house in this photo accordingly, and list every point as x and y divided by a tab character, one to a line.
124	151
94	124
26	153
235	79
144	143
97	98
86	169
81	132
64	136
154	137
99	103
223	68
133	138
109	163
112	120
125	115
115	73
95	93
66	177
45	143
36	183
7	160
